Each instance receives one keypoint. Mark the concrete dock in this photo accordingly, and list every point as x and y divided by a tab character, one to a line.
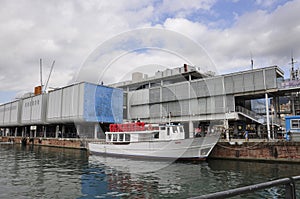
258	150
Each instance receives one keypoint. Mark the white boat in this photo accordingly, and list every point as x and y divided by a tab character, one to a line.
166	141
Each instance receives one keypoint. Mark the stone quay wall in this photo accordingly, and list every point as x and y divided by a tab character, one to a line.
281	151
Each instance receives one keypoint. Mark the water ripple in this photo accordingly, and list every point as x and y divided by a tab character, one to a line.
46	172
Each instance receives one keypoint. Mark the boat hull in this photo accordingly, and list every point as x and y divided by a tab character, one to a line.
195	148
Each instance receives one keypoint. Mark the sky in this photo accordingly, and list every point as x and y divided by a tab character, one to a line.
105	41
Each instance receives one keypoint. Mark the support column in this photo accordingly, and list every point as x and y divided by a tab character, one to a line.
62	131
191	125
268	116
23	131
96	130
160	103
259	131
16	131
293	105
29	132
45	132
56	131
191	129
78	130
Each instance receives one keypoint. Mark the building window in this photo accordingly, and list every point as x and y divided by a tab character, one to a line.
295	124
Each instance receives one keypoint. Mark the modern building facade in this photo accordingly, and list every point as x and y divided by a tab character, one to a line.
78	110
255	100
196	99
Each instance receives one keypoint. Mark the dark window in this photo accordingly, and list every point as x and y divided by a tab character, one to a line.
127	137
115	137
295	124
121	137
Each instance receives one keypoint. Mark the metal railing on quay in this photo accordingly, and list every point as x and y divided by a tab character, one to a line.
289	183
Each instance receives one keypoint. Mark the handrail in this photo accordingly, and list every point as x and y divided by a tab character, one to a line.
249	113
256	116
290	189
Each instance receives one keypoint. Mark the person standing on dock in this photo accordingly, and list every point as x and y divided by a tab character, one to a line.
246	135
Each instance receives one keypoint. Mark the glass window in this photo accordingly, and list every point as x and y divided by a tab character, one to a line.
295	124
181	129
115	137
175	129
121	137
127	137
109	137
168	131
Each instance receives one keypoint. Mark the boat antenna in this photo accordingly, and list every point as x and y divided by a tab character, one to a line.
49	75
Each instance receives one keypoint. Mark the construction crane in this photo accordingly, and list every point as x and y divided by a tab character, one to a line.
41	75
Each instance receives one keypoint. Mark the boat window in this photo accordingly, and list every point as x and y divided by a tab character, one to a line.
156	135
168	131
115	137
127	137
181	129
121	137
162	128
175	129
109	137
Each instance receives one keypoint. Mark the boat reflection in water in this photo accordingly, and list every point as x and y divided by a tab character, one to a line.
128	178
135	178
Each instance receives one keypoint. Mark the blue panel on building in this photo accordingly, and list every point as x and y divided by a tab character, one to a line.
103	104
292	124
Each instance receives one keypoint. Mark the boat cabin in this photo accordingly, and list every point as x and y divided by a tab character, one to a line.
146	133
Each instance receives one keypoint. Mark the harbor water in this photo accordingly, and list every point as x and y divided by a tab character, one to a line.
48	172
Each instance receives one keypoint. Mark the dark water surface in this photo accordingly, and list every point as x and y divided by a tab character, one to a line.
46	172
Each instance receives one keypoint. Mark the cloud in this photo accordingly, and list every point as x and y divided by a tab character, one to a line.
268	36
265	3
70	31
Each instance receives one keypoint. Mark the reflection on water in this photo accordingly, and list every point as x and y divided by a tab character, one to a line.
45	172
40	172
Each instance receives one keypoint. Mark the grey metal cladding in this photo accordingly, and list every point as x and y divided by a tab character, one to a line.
184	107
154	110
229	103
182	91
259	80
194	106
202	105
228	81
168	93
238	82
154	95
249	81
270	78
